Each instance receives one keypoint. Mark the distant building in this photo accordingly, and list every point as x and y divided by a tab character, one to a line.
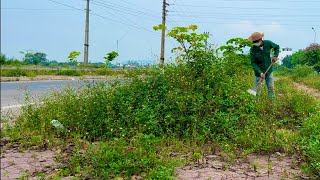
283	53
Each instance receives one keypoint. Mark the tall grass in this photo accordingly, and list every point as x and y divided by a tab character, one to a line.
302	74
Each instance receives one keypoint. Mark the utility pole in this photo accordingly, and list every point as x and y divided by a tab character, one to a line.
117	46
86	36
315	35
164	5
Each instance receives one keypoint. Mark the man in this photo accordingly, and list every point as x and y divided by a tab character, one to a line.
261	60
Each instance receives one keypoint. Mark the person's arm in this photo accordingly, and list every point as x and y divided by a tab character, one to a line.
276	49
254	64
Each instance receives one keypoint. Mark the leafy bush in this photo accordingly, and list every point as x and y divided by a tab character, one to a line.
4	60
301	71
312	56
121	159
310	142
69	72
13	72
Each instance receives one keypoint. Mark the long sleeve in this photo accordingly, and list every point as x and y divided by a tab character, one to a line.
275	47
255	66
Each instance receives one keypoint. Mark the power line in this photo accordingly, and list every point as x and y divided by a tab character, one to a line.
120	17
204	14
95	14
66	5
249	8
33	9
126	12
135	24
254	19
109	4
243	23
121	22
136	5
294	1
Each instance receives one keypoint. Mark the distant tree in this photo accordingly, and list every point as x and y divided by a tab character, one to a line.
73	57
110	56
286	61
31	57
312	56
290	61
3	59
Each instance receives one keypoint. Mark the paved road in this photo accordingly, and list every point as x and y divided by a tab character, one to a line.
13	93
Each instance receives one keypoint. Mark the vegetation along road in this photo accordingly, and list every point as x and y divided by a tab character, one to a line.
192	119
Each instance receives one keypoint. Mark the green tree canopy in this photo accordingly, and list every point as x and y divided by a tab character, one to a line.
32	57
73	57
110	56
312	56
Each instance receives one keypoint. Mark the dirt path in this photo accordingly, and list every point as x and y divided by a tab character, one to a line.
307	90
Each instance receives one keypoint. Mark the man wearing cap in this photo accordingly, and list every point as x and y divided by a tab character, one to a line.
261	60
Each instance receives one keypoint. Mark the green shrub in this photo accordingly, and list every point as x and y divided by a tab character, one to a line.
121	159
310	142
301	71
13	72
69	72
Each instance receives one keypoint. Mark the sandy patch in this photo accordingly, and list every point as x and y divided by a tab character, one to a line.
254	166
16	164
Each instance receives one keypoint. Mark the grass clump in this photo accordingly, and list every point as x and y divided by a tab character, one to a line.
119	158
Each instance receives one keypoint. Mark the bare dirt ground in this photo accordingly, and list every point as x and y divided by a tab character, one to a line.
15	164
30	164
253	166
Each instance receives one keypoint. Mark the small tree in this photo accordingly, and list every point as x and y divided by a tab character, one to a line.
3	58
312	56
73	57
110	56
191	43
235	46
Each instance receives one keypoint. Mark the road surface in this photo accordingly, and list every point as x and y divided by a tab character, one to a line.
13	93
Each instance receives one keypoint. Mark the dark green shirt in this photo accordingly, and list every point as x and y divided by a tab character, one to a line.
261	59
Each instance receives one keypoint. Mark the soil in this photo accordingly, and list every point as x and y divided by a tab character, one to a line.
31	163
15	164
253	166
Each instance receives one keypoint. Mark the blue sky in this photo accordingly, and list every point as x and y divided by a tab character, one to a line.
50	27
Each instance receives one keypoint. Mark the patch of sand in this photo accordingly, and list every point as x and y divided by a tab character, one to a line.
16	164
252	167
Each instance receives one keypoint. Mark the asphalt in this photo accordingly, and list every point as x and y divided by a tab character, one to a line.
13	94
